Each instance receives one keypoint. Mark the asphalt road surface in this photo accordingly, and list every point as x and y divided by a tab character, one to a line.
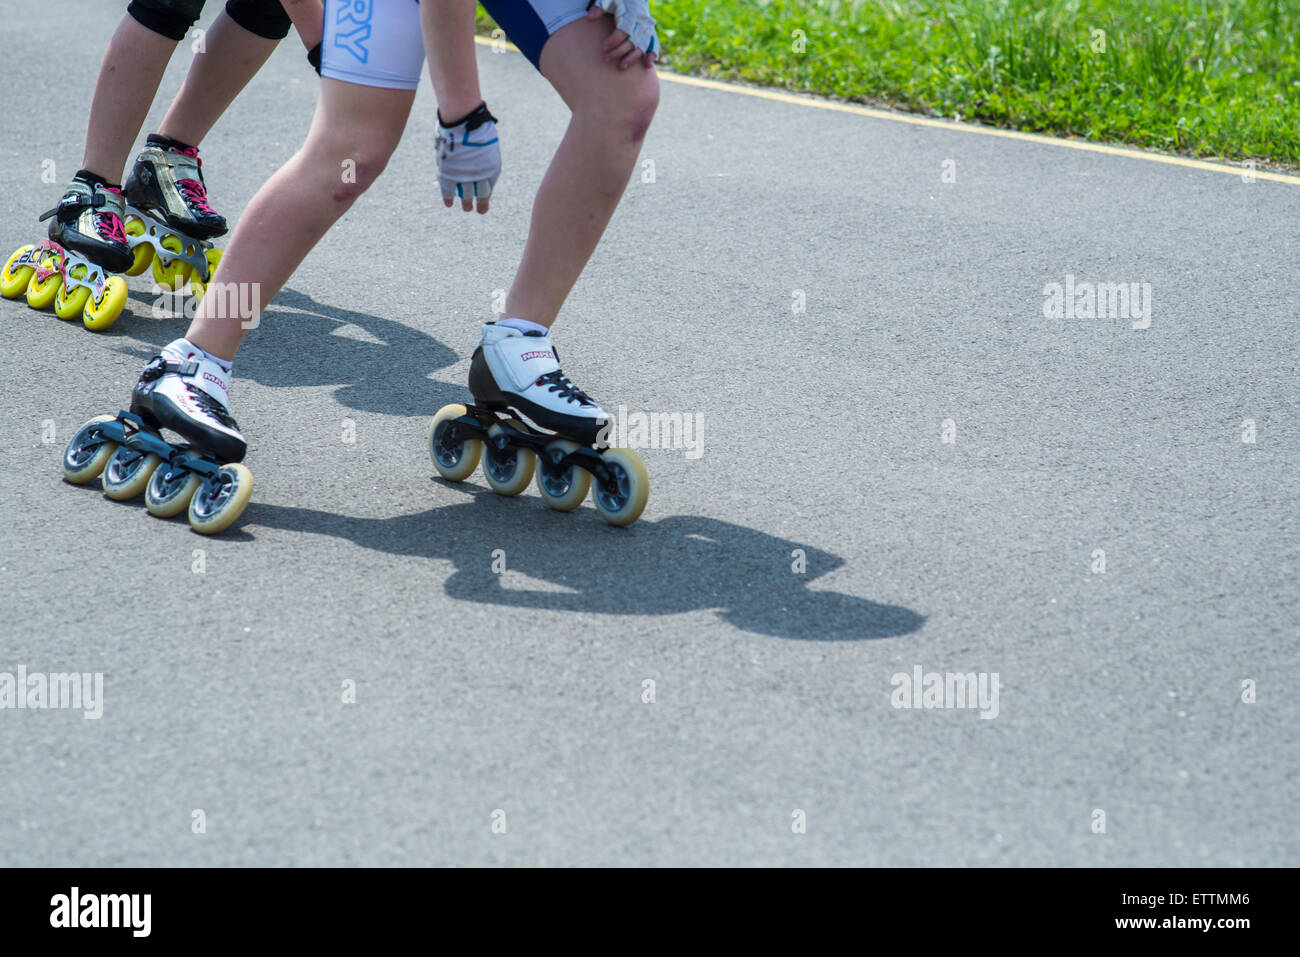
905	464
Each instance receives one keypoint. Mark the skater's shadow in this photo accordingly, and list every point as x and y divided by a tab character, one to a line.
576	563
379	365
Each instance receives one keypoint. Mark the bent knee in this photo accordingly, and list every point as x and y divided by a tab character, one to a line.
633	110
642	108
357	173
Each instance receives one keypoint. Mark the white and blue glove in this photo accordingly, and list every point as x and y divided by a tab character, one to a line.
633	18
469	159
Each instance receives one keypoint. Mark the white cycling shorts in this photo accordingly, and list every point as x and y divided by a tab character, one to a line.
378	42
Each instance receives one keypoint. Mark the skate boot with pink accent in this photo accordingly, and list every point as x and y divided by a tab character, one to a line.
71	270
169	221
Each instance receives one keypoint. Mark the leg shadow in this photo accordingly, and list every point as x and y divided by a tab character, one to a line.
377	364
676	564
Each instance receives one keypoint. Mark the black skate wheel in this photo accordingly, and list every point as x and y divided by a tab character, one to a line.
170	490
563	489
128	472
455	459
621	500
88	451
218	502
508	470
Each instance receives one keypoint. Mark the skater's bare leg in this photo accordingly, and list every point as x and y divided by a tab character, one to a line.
230	57
308	17
129	75
354	132
612	110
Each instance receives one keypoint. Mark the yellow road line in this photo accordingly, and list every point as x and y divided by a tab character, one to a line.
1084	145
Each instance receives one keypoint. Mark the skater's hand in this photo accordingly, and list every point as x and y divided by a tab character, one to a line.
469	160
634	35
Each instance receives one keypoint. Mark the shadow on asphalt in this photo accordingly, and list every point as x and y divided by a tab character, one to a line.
379	365
675	564
672	565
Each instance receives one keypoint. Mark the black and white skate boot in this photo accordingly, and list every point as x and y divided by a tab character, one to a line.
528	418
191	397
88	221
520	371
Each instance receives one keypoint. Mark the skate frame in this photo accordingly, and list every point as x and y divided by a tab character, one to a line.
478	420
130	431
194	251
65	261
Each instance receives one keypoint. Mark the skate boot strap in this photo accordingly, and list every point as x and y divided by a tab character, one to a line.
519	361
160	367
76	202
185	164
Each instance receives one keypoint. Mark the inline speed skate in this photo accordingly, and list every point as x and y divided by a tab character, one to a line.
187	394
169	222
529	418
70	270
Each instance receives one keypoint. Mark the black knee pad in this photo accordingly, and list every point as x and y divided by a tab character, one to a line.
266	18
170	18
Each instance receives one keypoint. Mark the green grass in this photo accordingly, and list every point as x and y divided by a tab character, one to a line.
1205	79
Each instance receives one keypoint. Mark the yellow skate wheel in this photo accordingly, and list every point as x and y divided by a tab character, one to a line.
41	292
143	253
88	452
621	501
13	281
454	460
561	489
69	304
509	471
170	490
128	472
216	505
199	285
103	312
175	274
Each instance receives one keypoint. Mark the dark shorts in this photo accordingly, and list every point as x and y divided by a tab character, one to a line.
530	23
173	18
